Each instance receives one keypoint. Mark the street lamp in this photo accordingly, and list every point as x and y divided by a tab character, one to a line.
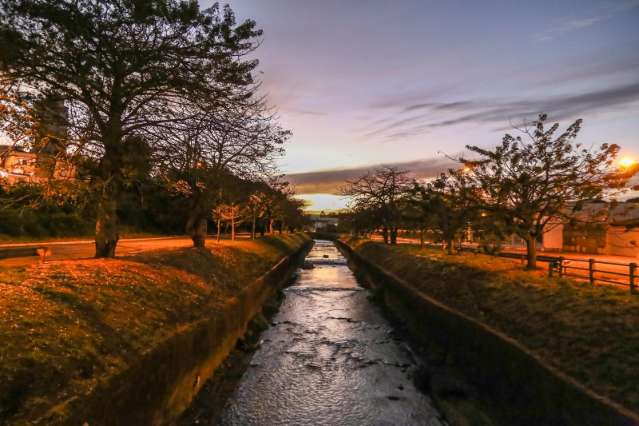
627	162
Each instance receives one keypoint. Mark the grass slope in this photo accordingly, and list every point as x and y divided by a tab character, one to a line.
65	326
590	333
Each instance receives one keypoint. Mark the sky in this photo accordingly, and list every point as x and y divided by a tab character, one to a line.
363	83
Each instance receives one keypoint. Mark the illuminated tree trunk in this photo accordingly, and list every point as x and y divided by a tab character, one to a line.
196	226
385	233
531	252
421	238
449	245
253	226
393	235
106	226
219	229
233	226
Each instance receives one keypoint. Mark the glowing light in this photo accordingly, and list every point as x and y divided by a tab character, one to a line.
626	162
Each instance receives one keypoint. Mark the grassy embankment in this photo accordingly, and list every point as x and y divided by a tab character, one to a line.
590	333
66	326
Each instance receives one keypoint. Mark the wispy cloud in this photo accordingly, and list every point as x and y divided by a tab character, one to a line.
331	181
569	24
482	111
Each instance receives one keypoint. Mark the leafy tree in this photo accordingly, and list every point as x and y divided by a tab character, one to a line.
122	67
446	204
531	184
380	193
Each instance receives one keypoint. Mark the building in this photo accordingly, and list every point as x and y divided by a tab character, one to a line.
600	228
17	165
322	223
49	160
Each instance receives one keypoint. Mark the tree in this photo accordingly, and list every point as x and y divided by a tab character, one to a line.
122	67
449	202
529	184
212	149
256	208
380	193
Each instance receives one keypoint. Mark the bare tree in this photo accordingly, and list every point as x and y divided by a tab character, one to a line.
380	192
211	148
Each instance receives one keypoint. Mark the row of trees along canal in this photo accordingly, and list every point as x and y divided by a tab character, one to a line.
149	88
524	185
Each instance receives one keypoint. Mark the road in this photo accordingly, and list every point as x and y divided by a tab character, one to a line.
62	250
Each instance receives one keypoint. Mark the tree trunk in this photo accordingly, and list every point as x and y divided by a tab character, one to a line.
233	227
421	238
109	180
270	226
219	230
253	227
197	227
385	233
531	252
393	235
449	246
106	226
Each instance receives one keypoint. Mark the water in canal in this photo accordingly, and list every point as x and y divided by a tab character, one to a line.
329	358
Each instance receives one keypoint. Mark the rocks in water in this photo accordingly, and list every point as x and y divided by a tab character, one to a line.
307	265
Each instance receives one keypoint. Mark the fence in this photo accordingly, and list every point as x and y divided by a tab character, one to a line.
587	268
617	273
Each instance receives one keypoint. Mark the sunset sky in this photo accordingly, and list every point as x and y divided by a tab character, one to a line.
362	83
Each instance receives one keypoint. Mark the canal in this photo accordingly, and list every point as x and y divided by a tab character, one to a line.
329	358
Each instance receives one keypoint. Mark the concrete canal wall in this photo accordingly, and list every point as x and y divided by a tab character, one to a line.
518	384
158	388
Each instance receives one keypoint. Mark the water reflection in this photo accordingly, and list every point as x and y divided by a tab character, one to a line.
330	358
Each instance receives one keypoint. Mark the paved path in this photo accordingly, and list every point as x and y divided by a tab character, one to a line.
79	249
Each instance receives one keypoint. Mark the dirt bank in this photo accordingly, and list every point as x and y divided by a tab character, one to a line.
90	337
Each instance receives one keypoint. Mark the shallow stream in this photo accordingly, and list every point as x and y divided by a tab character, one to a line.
329	358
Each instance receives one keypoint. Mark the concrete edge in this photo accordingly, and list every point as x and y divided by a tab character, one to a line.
565	401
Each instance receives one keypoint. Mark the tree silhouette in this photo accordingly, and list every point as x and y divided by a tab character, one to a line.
530	184
122	67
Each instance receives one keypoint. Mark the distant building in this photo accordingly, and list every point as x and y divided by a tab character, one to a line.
33	167
49	161
599	228
322	222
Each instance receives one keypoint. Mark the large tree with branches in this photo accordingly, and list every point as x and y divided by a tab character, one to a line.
210	150
542	177
122	67
379	193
